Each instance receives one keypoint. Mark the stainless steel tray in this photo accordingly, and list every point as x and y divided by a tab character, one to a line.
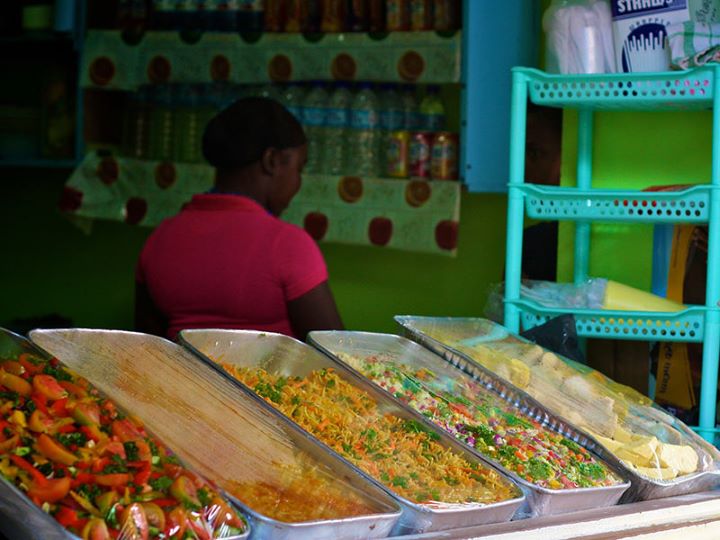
21	518
641	488
219	432
540	501
284	355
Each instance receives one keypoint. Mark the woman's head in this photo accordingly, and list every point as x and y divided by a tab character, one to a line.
257	142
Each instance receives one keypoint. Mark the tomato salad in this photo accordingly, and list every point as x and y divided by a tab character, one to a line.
470	413
94	469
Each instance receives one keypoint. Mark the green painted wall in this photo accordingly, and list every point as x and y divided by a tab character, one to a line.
50	266
633	150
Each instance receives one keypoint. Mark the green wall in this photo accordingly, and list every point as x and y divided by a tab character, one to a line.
51	266
633	150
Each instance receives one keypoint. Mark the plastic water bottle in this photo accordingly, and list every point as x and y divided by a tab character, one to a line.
135	132
336	149
293	96
432	110
187	125
411	108
160	140
364	135
315	109
391	119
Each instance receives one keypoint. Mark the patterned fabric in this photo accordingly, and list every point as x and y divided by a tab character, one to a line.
694	44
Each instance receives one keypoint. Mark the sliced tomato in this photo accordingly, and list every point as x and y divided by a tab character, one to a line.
176	522
59	407
134	522
105	501
9	444
40	422
143	475
67	517
184	490
93	433
31	363
48	386
219	513
125	430
155	515
87	414
74	389
113	480
54	451
144	452
96	529
12	366
15	383
51	490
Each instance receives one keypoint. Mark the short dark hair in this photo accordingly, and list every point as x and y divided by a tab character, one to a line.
239	134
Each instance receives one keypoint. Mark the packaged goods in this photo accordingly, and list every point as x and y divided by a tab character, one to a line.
92	467
398	154
646	439
399	452
397	13
444	156
420	148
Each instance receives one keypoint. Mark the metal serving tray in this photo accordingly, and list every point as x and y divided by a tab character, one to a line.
641	488
20	517
221	433
540	501
282	354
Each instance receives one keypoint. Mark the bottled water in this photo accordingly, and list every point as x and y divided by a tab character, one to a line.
160	141
411	109
336	146
292	97
315	108
391	119
432	111
363	139
186	125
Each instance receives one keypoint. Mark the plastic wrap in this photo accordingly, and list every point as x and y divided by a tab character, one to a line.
557	474
73	453
437	482
283	481
662	456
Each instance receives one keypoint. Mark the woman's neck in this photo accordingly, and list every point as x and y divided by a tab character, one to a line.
245	182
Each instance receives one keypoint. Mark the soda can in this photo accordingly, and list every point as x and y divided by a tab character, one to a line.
333	16
274	15
420	149
398	154
444	156
397	15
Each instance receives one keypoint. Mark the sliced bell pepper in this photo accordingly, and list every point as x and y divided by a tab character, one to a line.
96	529
48	386
87	414
113	480
51	490
15	383
74	389
54	451
36	475
67	517
9	444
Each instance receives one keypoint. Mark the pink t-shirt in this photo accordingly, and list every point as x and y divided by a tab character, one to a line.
225	262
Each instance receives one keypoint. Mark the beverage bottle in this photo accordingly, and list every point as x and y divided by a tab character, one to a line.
251	15
376	15
200	18
333	16
314	119
432	111
135	130
421	15
410	108
223	15
397	15
446	15
293	96
391	118
336	149
186	125
363	137
160	139
275	15
296	15
312	15
357	18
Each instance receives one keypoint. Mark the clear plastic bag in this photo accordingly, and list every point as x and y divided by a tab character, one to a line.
579	37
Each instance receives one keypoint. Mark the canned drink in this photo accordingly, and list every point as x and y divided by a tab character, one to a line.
398	15
446	15
274	15
398	154
444	156
421	15
420	149
333	16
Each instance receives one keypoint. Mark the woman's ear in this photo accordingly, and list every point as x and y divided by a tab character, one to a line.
269	161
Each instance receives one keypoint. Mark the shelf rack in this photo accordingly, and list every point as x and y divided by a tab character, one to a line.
695	89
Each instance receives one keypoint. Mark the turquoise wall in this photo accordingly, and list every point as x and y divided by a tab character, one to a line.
51	266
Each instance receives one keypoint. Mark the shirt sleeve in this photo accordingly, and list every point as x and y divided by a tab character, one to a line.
301	266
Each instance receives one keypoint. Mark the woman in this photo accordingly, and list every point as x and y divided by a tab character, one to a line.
226	260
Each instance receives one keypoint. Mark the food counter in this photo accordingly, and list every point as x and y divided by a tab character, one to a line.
109	434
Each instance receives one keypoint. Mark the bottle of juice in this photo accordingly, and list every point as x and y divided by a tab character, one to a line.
432	110
333	16
397	15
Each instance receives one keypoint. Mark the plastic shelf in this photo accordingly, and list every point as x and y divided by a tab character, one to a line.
691	205
684	90
685	326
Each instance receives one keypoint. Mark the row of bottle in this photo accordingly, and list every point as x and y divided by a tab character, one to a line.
348	127
290	15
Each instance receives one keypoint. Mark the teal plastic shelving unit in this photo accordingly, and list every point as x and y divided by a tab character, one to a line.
685	90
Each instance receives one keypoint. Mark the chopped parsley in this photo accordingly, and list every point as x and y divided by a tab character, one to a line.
131	451
539	470
68	439
162	483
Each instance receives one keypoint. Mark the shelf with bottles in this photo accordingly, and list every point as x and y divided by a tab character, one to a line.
363	129
673	90
689	205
